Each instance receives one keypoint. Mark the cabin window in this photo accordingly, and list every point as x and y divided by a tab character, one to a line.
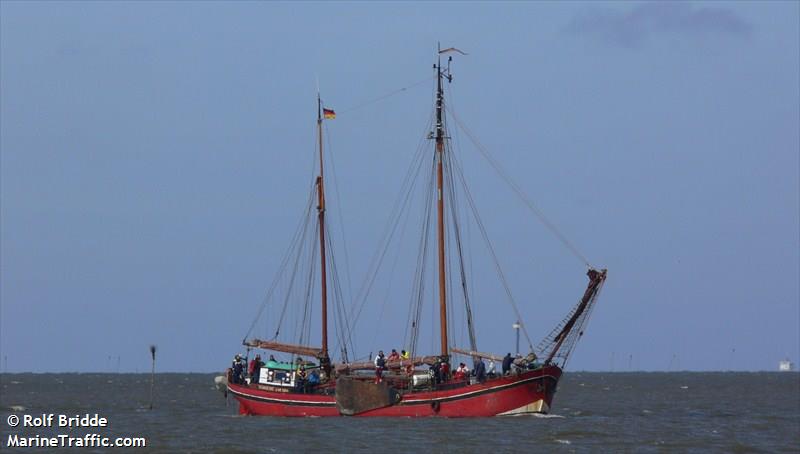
276	377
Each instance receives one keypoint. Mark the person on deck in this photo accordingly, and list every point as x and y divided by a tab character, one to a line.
491	369
313	380
251	367
516	365
405	363
300	379
237	369
444	372
255	369
480	371
461	373
380	365
435	372
394	356
507	360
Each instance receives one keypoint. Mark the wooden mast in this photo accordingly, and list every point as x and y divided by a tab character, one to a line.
440	207
321	214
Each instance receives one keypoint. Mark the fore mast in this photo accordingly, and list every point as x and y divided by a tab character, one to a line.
324	357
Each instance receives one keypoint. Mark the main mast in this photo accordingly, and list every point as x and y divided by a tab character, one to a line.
440	206
321	214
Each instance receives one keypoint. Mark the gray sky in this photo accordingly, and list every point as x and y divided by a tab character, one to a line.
156	156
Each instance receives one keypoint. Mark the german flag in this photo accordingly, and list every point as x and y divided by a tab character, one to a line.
328	114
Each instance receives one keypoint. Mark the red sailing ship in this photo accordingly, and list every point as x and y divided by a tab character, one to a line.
309	383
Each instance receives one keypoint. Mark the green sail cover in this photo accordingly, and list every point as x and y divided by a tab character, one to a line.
280	365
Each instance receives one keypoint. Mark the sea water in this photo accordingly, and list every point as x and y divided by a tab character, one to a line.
592	412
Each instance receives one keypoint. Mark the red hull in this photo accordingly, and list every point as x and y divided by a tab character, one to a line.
530	391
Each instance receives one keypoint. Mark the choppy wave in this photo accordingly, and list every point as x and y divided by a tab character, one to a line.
638	411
